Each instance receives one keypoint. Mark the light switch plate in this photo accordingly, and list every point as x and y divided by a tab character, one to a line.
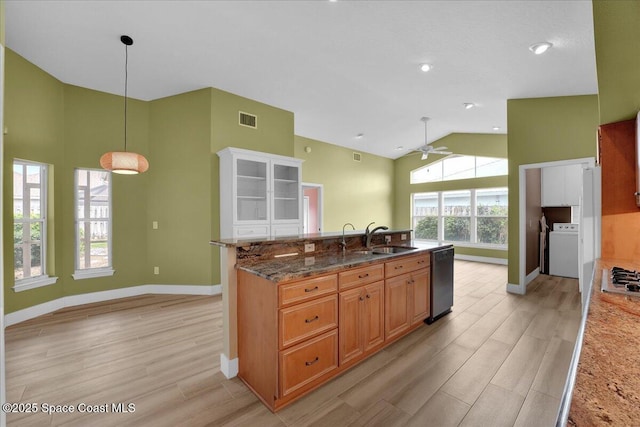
154	225
309	247
387	239
156	270
403	237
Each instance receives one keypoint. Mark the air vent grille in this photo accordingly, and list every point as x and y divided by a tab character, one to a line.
357	157
248	120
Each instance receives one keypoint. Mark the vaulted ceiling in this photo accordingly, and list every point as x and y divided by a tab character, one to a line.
343	67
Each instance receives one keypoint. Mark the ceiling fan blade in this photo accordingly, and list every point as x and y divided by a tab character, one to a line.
441	148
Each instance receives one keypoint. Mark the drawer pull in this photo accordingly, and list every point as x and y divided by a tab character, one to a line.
313	319
421	262
362	276
397	267
314	361
315	288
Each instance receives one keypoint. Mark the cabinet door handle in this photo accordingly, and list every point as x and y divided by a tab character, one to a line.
315	288
313	319
362	276
361	299
314	361
368	296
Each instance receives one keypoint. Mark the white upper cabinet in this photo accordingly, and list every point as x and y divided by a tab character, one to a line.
561	185
260	194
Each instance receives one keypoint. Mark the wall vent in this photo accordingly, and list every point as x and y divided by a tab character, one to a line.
357	157
248	120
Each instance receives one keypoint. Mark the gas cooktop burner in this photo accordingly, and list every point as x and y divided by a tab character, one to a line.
621	281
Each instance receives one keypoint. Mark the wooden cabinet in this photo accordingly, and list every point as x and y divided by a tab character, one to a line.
561	185
396	296
361	321
407	293
260	194
295	335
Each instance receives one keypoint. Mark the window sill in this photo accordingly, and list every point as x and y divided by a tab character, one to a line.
93	273
469	244
34	282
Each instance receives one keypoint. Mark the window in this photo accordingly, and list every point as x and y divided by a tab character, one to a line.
460	167
492	215
457	216
30	225
93	223
425	216
464	217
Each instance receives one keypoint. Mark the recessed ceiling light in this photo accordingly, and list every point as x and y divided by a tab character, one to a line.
540	48
496	128
360	136
469	105
425	67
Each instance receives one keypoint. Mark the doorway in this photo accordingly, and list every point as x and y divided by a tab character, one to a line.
589	232
312	208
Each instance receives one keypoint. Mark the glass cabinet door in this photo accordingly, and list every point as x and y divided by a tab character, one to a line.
286	192
251	187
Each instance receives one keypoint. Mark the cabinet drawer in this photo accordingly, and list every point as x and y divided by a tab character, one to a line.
308	361
292	293
360	276
302	321
405	265
251	231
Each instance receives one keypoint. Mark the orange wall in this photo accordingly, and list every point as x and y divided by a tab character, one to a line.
620	215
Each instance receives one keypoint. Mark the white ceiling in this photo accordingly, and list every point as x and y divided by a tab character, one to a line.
343	68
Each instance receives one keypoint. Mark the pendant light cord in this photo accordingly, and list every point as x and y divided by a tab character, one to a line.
126	78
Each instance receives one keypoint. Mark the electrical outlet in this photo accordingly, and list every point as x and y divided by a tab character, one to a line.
156	270
387	239
309	261
154	225
309	247
403	237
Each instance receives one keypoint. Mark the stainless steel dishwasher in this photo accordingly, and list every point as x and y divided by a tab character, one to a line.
441	283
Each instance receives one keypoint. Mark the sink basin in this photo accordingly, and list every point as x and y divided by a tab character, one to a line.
362	252
392	249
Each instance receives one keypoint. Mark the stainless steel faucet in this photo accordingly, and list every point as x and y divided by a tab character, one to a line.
368	234
344	243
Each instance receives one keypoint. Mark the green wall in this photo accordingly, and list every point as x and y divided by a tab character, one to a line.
179	190
617	41
545	130
488	145
34	119
68	127
355	192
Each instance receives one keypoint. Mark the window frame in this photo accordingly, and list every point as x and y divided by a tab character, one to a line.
92	272
43	279
473	227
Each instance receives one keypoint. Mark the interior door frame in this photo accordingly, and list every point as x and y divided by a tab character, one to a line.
320	188
521	287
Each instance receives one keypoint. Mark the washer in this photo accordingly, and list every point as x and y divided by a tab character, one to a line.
563	250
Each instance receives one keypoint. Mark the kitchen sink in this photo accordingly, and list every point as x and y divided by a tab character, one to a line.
363	252
392	249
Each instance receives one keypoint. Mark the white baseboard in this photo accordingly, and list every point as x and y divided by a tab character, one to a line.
73	300
489	260
228	367
531	276
516	289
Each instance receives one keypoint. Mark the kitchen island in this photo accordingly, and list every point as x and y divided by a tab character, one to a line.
304	317
607	379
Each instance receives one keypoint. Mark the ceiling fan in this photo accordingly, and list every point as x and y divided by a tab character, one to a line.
427	148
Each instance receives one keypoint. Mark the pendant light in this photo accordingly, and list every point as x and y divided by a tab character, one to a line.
124	162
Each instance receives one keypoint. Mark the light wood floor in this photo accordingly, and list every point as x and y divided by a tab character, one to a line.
497	360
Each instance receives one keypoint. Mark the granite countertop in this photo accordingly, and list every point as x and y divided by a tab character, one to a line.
294	267
295	238
607	385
